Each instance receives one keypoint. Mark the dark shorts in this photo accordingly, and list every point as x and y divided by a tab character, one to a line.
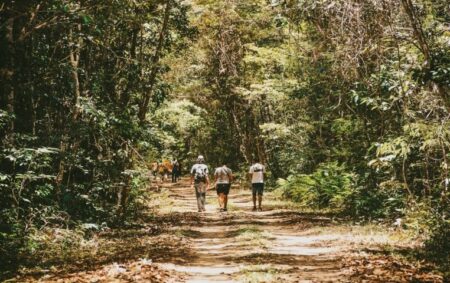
257	188
223	188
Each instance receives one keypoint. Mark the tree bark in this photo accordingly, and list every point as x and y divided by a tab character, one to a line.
143	107
125	96
242	137
74	56
424	48
418	31
8	74
74	59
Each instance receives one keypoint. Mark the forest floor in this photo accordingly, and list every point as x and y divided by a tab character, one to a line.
275	245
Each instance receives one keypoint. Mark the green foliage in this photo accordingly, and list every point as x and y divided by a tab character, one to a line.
438	246
346	101
77	81
328	187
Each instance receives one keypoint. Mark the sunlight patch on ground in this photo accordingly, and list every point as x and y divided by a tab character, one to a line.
259	273
205	270
253	236
276	245
303	251
364	235
200	274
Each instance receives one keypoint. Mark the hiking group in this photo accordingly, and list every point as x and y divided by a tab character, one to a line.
166	168
223	177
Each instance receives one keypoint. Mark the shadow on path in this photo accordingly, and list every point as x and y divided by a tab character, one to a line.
246	246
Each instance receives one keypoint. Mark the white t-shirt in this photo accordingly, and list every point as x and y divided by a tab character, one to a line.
257	170
199	167
222	175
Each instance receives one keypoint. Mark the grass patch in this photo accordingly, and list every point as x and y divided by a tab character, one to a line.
231	207
367	235
187	233
161	201
252	236
258	273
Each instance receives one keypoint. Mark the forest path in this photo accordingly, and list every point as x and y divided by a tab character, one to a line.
243	246
279	244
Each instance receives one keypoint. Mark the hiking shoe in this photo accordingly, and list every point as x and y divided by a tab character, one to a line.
221	210
225	209
259	209
254	208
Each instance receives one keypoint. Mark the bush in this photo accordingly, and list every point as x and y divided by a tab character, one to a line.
437	247
337	188
327	187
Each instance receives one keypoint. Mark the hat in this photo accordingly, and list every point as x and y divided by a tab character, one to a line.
200	158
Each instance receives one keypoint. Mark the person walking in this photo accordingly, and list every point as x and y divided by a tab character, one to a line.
175	170
180	170
223	176
257	173
200	181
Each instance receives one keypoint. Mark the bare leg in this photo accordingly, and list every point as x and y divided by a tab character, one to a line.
225	201
254	201
259	201
221	200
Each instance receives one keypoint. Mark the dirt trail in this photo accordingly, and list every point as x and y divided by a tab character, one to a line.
275	245
245	246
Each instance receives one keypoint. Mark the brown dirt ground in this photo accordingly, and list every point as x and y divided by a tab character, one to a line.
278	244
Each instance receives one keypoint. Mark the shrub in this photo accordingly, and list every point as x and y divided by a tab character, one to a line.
437	247
327	187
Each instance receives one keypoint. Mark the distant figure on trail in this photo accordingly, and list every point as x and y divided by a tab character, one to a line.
165	168
154	168
257	173
175	170
200	181
180	169
223	176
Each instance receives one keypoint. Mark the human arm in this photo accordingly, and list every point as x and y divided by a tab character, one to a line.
216	176
192	176
230	175
207	177
250	173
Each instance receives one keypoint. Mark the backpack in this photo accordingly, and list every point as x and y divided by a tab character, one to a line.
200	174
257	168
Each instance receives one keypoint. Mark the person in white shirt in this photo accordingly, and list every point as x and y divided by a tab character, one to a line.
223	177
257	173
200	181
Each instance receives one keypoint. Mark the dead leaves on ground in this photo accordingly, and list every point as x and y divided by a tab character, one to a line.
142	270
385	268
128	249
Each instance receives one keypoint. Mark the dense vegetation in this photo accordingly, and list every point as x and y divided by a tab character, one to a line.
347	102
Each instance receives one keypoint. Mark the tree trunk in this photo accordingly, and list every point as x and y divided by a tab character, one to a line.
424	47
418	31
8	74
143	107
243	141
125	96
74	57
